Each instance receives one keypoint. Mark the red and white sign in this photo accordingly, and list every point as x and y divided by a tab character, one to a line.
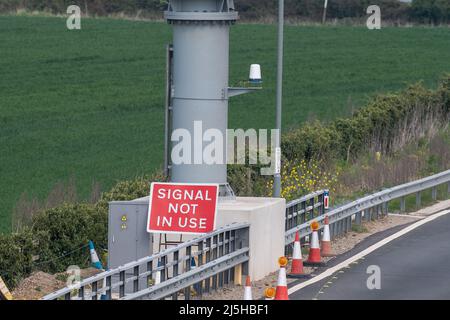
182	208
326	200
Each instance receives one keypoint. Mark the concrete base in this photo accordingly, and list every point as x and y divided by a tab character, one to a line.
267	220
266	217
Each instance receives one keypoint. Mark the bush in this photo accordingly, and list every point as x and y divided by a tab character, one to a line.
16	256
58	237
386	124
431	11
246	180
312	141
421	11
67	230
300	178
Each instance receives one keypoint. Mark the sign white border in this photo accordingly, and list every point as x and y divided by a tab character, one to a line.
180	184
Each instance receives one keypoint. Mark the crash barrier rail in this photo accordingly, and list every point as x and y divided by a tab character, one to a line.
369	207
189	270
303	210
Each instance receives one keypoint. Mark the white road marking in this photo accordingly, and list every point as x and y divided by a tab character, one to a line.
346	263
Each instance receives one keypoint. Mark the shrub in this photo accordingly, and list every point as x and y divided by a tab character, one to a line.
421	11
67	230
69	227
16	256
311	141
431	11
386	124
246	180
58	237
300	178
130	189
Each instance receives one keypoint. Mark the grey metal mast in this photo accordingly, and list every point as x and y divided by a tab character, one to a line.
199	89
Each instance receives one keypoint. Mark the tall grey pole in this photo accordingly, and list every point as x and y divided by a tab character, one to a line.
324	17
167	110
277	175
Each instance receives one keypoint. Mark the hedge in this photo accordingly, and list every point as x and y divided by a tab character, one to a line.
409	114
419	11
386	124
16	256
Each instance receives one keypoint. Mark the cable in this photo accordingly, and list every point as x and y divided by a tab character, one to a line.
60	257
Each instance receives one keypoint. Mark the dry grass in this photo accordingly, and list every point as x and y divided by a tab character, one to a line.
425	121
63	192
424	157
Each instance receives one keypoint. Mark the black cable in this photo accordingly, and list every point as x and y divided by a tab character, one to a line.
60	257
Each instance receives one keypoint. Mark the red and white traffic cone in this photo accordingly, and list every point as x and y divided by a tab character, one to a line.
282	290
314	258
248	289
297	261
326	240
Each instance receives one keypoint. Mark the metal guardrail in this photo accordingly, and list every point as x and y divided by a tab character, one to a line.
303	210
220	256
371	207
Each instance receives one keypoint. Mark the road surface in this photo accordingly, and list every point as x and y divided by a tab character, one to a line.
414	266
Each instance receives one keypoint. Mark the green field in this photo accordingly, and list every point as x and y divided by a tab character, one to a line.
89	104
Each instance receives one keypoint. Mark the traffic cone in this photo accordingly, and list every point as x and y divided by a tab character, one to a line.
314	258
297	261
326	240
193	265
248	289
282	290
269	293
95	261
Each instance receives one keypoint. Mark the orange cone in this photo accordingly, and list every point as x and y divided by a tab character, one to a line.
326	240
282	290
248	289
314	258
297	261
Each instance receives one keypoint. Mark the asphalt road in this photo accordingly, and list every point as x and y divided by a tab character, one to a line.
414	266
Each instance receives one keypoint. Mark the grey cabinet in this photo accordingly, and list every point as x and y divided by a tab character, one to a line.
128	239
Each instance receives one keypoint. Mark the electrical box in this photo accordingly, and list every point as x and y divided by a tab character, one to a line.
128	239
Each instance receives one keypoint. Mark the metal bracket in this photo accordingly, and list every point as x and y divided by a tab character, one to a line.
241	90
